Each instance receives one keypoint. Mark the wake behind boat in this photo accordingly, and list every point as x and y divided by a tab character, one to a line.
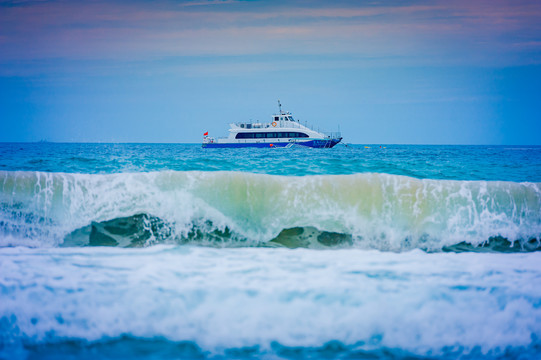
282	131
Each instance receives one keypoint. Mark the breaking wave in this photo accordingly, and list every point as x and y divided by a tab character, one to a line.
371	211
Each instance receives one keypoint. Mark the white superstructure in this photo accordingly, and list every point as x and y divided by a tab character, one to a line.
281	131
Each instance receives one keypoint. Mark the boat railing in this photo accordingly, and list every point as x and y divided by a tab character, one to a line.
279	124
250	125
333	135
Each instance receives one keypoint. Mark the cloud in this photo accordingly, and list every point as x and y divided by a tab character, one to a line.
208	2
469	31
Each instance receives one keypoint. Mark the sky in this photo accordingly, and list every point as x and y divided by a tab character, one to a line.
383	72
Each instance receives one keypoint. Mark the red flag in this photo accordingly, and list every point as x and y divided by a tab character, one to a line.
205	134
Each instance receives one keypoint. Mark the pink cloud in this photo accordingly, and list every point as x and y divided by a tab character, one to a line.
116	30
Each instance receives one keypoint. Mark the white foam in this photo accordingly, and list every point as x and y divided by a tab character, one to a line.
381	211
224	298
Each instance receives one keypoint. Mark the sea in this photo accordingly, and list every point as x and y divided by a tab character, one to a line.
172	251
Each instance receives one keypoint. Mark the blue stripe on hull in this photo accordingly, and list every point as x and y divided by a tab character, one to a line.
322	143
312	143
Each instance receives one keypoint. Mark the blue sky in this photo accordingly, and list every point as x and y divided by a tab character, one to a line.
405	72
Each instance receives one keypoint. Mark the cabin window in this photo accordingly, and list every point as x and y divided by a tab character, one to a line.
261	135
276	118
244	136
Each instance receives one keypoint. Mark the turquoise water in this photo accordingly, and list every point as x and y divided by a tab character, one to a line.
504	163
174	251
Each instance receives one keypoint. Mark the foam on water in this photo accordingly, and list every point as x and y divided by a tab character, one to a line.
257	288
271	300
375	211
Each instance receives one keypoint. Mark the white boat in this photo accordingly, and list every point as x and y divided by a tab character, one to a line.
281	131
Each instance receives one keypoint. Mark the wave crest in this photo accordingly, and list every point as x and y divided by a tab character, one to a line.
378	211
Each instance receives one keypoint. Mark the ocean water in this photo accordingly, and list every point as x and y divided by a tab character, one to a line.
173	251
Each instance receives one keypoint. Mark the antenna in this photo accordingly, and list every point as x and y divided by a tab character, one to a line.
280	106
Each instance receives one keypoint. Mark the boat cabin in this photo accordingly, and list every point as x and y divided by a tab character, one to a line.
270	134
282	117
282	131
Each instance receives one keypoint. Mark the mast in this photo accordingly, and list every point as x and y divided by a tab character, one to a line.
280	107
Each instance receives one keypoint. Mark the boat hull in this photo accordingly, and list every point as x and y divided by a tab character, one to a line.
316	143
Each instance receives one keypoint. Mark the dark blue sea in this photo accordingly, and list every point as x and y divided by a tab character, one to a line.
172	251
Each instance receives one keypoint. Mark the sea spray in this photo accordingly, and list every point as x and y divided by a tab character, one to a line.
370	210
143	251
265	302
